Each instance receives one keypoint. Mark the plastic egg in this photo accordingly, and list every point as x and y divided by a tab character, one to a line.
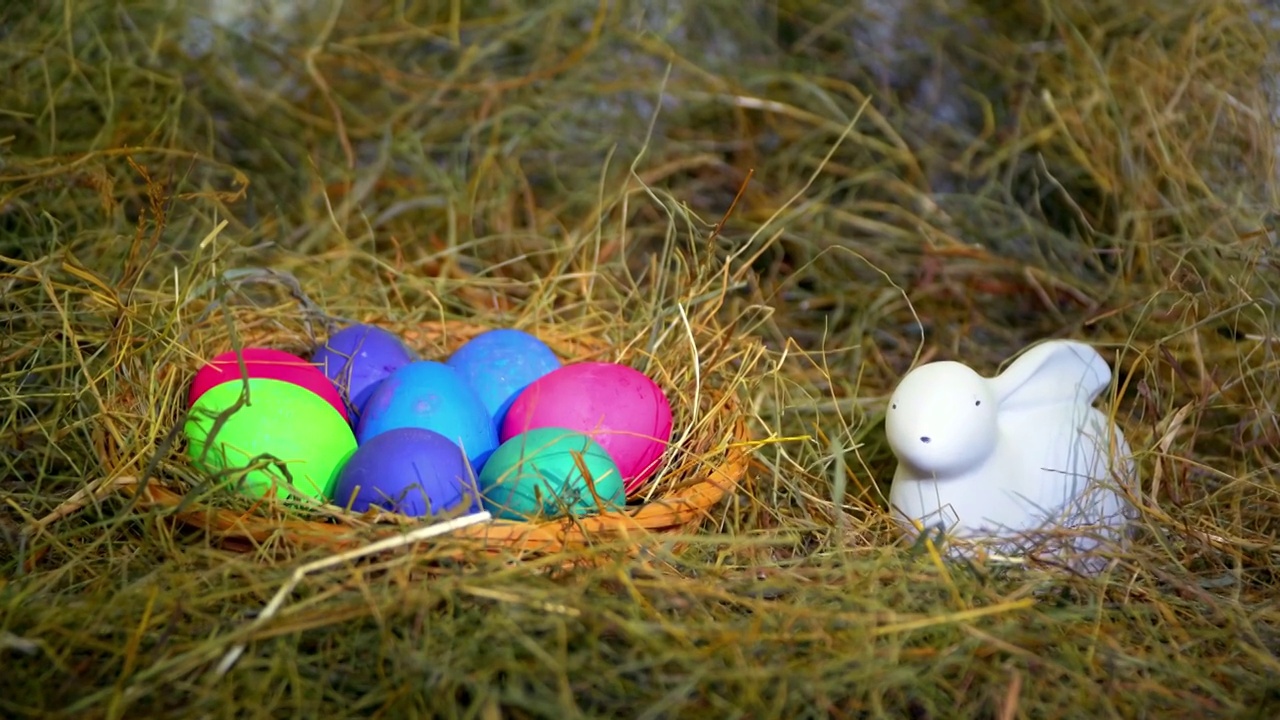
279	419
412	471
499	364
537	474
431	395
270	363
358	357
618	406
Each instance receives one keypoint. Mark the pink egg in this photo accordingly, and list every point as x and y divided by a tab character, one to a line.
266	363
620	407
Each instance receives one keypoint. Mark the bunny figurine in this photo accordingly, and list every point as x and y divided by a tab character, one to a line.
993	459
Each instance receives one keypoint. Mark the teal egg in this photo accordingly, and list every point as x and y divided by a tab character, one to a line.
537	474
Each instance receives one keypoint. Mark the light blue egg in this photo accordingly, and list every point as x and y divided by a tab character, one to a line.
499	364
433	396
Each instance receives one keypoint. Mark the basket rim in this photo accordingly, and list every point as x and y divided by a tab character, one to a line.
664	514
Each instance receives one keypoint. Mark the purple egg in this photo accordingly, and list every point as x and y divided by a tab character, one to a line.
412	471
357	358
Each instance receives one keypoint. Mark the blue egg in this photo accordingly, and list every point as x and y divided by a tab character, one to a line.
499	364
433	396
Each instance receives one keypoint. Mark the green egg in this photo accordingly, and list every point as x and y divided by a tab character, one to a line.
537	474
287	422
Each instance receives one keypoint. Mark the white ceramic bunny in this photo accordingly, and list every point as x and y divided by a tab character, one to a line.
996	459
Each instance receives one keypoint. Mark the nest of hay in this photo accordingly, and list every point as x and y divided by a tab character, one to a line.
706	460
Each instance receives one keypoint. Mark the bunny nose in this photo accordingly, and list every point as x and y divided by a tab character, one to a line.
925	439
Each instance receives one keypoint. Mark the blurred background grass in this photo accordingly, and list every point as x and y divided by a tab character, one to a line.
915	180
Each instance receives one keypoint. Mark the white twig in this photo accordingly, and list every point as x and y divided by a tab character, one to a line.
390	543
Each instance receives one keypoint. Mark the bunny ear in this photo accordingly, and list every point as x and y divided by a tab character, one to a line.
1051	373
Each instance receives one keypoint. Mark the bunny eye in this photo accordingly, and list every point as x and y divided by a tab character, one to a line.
977	403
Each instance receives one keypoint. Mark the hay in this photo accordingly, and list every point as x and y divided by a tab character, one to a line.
931	181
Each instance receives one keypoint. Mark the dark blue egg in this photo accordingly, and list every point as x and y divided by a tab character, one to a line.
433	396
408	470
499	364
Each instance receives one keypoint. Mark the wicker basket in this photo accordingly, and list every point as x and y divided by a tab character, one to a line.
708	465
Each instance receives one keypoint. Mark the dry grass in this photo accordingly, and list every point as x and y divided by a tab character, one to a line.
1103	171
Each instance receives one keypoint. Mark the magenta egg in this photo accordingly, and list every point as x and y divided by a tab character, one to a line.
620	407
266	363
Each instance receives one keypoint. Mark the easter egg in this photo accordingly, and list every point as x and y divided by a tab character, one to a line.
291	424
431	395
358	357
619	407
262	362
538	474
409	470
499	364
